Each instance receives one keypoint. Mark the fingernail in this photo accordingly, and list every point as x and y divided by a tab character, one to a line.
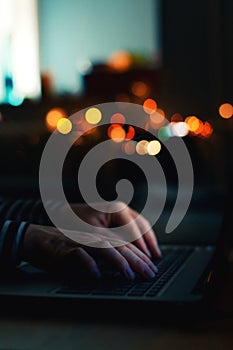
129	273
148	273
148	253
153	267
159	251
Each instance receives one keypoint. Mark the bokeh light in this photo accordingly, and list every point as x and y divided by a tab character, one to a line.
164	133
64	126
15	100
179	129
176	117
93	115
207	130
226	110
141	147
153	147
149	105
129	147
140	89
131	133
118	118
116	133
120	61
53	116
161	112
194	124
156	120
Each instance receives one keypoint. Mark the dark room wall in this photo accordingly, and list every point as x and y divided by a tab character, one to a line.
197	54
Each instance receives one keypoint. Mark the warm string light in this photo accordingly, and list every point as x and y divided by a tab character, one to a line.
150	105
140	89
53	116
120	132
226	110
120	61
64	126
93	115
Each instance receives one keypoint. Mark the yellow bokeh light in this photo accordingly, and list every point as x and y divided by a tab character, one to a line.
141	147
193	123
53	116
93	115
226	110
153	147
64	126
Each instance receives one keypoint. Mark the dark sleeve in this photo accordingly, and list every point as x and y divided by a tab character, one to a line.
11	238
15	216
30	210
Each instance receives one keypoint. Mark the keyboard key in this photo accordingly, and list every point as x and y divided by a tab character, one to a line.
118	286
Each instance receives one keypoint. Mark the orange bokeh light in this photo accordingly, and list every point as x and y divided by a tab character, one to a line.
176	117
226	110
161	111
120	61
118	118
129	147
156	120
53	116
207	130
194	124
149	106
131	133
116	133
140	89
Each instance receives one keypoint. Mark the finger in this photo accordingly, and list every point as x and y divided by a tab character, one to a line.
117	259
124	217
138	264
148	234
79	254
144	257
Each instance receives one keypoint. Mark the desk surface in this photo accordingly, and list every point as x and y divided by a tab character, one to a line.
58	333
28	334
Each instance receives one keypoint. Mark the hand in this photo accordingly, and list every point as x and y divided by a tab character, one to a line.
50	249
140	231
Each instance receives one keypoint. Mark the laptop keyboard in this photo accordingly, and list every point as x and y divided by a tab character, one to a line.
113	284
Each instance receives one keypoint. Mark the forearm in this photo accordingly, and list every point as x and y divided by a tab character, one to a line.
15	217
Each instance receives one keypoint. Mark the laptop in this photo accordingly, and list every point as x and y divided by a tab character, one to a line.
182	283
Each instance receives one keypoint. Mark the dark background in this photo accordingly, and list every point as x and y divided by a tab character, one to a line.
194	78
